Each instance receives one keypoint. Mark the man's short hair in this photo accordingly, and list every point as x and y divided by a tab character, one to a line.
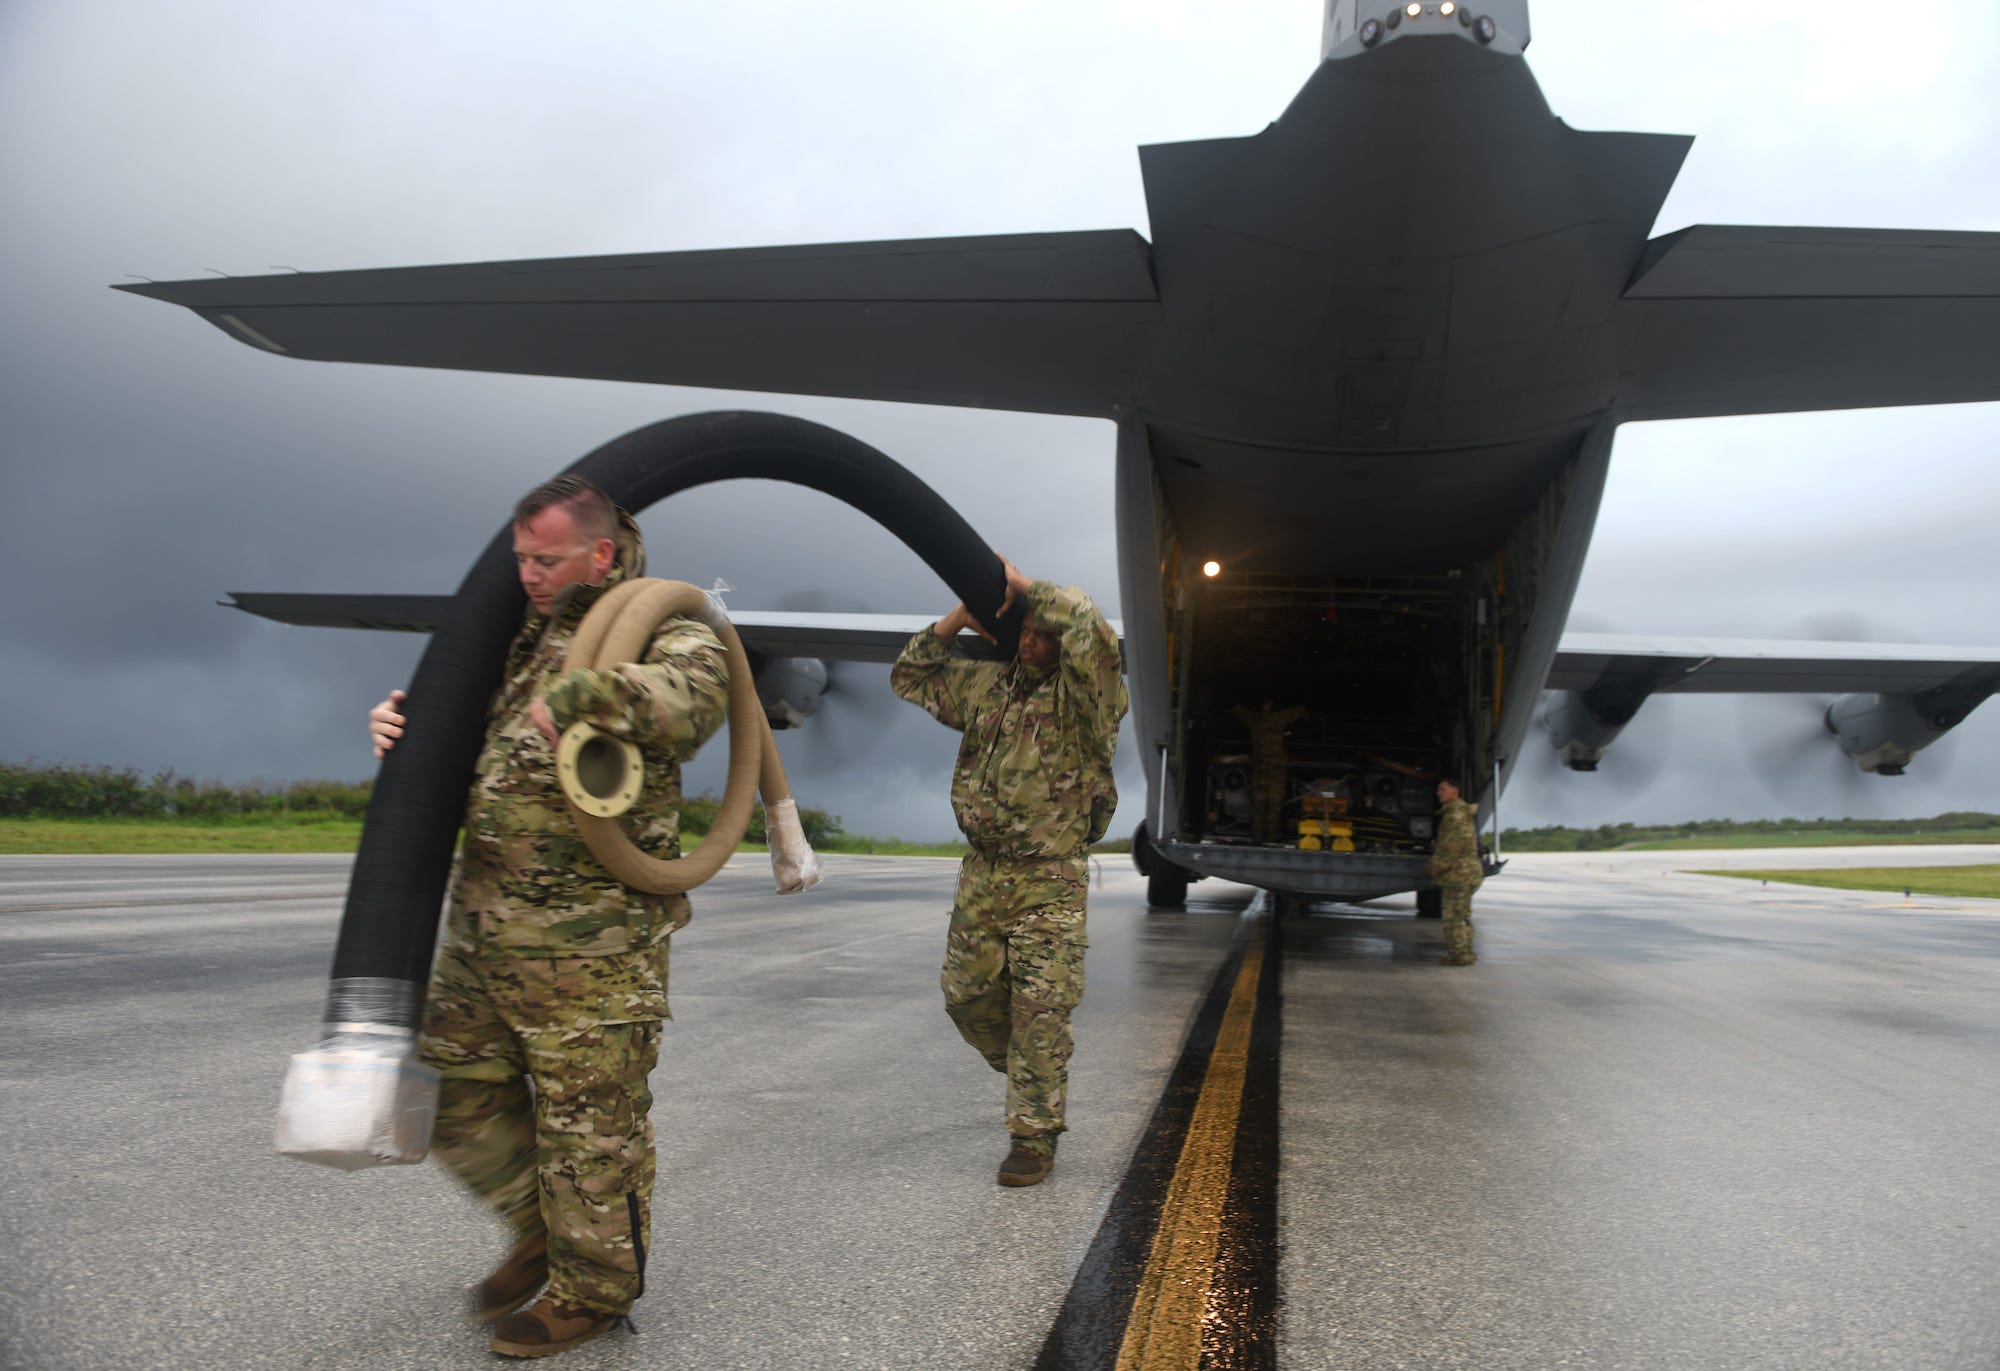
590	507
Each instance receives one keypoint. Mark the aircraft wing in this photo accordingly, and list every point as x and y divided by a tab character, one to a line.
392	613
832	637
848	637
1047	322
1731	320
773	633
1731	665
1657	665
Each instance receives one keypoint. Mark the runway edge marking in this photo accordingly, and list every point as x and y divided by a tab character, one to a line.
1183	1270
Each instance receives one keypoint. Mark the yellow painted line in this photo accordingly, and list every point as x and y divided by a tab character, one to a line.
1171	1306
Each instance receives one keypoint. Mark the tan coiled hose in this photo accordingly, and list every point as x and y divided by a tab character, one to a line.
601	775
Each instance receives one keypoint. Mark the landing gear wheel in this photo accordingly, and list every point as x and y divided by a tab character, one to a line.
1430	903
1167	889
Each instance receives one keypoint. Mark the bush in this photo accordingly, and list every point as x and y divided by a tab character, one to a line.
698	816
28	791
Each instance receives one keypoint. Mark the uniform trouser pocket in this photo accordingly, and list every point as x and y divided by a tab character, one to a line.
595	1140
549	1125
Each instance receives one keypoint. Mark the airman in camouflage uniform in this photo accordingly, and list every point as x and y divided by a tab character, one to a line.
1268	760
1031	791
553	972
1456	869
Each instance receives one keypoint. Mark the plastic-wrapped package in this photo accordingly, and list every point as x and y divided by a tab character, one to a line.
793	861
361	1098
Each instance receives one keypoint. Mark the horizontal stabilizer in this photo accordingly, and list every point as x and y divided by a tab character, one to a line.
1731	320
1047	322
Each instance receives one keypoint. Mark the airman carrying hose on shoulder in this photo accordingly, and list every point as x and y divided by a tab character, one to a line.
1031	791
552	971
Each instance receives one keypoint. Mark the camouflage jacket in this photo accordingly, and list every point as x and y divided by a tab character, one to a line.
1268	728
1034	767
527	885
1455	859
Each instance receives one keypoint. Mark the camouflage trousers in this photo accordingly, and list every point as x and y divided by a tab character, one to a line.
543	1109
1268	793
1458	921
1013	971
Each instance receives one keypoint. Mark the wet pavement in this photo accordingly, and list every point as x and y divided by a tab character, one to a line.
1667	1121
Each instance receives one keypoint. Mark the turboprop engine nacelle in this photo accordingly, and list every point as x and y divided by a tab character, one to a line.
1882	732
1582	724
789	688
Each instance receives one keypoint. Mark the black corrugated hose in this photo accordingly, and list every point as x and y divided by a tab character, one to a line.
389	928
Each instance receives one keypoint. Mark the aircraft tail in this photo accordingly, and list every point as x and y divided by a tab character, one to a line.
1355	26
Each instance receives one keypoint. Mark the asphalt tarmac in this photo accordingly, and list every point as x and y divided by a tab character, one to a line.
1668	1121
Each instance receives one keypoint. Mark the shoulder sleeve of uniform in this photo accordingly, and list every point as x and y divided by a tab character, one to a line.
927	675
672	702
1090	664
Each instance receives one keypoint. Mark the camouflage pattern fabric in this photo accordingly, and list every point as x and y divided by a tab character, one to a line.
1458	925
544	1009
1032	789
1013	971
1268	758
1034	766
543	1103
527	884
1455	867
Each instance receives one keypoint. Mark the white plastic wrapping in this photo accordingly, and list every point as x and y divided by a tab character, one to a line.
718	612
793	861
358	1100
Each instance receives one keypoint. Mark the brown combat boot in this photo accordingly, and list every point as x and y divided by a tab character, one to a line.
1026	1165
515	1280
549	1326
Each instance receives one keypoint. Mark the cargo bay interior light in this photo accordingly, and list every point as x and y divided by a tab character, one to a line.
1211	569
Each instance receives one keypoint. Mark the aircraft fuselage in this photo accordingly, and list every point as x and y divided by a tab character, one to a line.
1380	395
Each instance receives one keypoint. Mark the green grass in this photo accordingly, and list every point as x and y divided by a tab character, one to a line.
1813	839
303	833
889	847
262	833
1980	882
1958	826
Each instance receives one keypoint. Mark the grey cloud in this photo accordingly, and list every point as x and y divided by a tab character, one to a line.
152	464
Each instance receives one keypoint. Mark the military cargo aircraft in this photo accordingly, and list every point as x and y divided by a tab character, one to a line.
1366	377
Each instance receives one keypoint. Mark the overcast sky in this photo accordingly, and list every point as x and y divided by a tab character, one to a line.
153	465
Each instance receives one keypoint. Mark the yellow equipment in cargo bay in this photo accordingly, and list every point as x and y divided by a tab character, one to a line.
1324	825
